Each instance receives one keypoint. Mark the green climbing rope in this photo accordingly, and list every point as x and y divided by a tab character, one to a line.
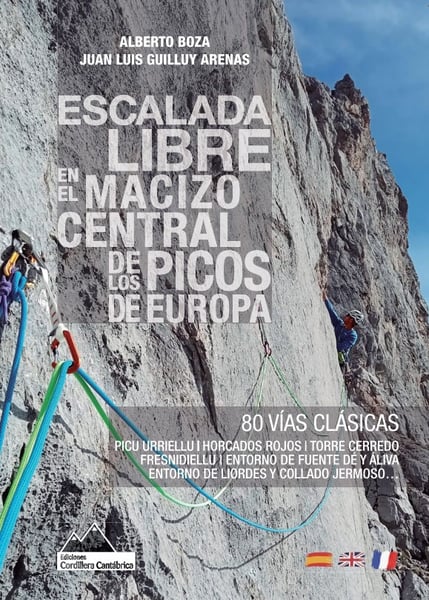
114	432
282	379
31	442
278	371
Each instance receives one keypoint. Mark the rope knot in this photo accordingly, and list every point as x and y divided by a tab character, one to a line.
267	349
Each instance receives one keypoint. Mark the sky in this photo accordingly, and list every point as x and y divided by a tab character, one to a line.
384	46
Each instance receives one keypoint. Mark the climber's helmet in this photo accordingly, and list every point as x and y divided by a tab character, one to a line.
357	316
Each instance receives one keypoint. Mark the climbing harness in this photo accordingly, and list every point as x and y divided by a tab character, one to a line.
342	358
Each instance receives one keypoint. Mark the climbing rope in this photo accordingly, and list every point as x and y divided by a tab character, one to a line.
31	458
278	371
16	292
34	448
114	432
37	440
282	379
282	530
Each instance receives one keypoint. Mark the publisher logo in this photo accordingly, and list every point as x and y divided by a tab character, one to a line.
93	552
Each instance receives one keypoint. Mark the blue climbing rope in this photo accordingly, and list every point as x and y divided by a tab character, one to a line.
200	490
16	293
30	466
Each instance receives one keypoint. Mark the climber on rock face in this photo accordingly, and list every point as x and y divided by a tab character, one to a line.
345	333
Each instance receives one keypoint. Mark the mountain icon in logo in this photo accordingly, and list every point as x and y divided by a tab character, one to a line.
93	540
73	544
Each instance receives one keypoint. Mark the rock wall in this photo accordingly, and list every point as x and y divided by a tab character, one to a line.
339	219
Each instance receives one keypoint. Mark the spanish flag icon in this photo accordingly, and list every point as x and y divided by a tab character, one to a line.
319	559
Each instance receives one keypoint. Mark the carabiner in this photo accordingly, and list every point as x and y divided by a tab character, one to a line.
72	347
7	269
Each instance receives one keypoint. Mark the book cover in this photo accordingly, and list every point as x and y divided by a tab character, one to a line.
214	347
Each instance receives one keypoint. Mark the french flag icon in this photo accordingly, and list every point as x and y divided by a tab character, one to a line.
384	560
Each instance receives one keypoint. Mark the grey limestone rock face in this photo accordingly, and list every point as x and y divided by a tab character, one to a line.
414	587
338	220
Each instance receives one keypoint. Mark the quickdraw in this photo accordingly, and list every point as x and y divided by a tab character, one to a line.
59	331
10	264
21	256
62	333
